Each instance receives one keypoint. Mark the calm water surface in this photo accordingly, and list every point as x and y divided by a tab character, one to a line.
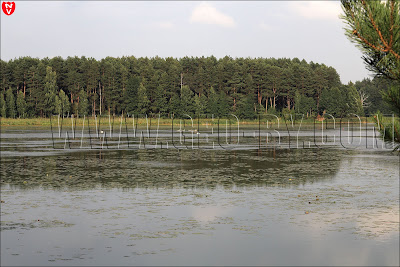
198	207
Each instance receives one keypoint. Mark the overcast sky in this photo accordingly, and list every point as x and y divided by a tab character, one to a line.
306	30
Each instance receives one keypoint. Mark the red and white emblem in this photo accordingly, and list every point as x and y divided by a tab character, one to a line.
8	8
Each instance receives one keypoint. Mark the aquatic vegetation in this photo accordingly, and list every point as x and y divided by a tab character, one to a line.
152	206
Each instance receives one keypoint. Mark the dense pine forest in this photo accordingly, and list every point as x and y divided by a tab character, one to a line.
32	87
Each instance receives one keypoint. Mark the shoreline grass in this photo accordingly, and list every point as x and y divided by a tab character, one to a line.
41	122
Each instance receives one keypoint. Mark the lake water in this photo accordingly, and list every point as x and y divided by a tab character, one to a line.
243	206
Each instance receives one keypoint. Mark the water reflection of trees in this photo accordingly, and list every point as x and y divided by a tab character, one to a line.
172	169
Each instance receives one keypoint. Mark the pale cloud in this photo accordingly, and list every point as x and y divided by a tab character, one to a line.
207	14
325	10
265	27
165	25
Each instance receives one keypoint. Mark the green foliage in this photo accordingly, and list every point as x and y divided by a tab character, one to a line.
187	101
131	92
212	106
223	106
374	26
332	101
352	101
272	111
73	79
21	104
210	85
58	105
306	105
297	102
160	101
389	128
175	105
392	97
10	100
340	101
286	113
3	107
83	104
218	104
64	103
50	91
142	100
373	91
200	104
245	108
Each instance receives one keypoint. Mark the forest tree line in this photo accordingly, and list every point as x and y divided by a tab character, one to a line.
32	87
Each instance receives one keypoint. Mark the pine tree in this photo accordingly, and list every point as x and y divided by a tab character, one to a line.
297	102
58	105
352	103
338	101
64	102
10	100
131	94
175	105
187	101
200	103
142	102
83	104
223	105
21	104
245	108
374	27
3	107
212	105
50	90
328	102
73	79
305	105
392	96
160	101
